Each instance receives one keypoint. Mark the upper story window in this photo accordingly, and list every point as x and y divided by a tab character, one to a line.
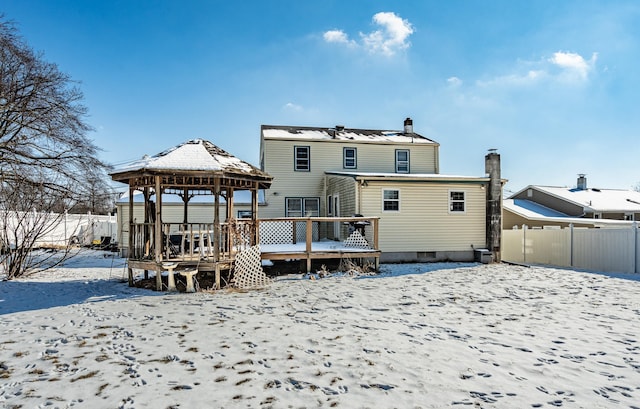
349	158
402	161
302	158
457	201
390	200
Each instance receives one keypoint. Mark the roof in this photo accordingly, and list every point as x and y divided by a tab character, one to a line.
432	177
343	134
536	212
592	199
193	155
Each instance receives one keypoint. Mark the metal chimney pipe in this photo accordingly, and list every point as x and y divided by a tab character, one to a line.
408	125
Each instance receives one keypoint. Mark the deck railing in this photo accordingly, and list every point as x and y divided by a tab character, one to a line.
196	241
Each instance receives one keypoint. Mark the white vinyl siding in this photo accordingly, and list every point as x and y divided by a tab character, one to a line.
345	188
327	156
425	223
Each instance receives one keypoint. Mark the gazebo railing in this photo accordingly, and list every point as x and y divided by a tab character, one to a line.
192	241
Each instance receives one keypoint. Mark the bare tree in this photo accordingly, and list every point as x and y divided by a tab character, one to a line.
47	161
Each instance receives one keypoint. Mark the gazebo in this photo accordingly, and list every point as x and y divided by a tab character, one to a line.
193	168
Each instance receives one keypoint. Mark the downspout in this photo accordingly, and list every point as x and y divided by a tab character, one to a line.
358	197
324	195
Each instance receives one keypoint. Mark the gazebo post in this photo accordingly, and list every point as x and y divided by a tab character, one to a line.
157	224
131	233
216	220
254	215
229	203
146	229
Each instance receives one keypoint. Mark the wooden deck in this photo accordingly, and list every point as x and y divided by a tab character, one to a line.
191	246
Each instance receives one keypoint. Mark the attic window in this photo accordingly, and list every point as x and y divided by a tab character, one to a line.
349	158
302	158
402	161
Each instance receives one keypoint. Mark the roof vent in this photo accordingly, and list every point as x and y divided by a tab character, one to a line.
408	125
582	181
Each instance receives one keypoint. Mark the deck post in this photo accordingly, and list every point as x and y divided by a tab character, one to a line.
309	238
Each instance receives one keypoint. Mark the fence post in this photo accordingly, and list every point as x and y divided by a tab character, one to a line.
524	243
571	244
634	226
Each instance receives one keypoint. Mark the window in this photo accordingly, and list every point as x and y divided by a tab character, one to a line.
456	201
302	207
302	158
629	216
391	200
329	205
244	214
349	158
402	161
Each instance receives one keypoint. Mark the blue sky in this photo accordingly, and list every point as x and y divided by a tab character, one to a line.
553	85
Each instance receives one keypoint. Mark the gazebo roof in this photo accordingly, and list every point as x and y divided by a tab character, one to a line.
197	158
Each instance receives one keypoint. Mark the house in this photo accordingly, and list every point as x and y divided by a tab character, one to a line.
581	206
389	174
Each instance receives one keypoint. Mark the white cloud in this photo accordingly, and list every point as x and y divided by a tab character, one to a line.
454	81
289	106
392	36
335	36
574	64
561	68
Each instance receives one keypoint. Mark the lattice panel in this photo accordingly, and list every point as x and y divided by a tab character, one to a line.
301	231
356	240
248	271
276	232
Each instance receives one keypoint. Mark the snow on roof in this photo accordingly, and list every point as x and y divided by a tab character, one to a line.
530	209
342	134
422	176
196	154
534	211
597	200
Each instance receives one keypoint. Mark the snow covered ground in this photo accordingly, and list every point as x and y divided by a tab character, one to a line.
415	336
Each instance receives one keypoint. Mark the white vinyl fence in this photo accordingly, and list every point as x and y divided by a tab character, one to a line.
615	250
59	230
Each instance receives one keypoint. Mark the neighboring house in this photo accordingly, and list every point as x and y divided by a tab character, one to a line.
390	174
544	206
